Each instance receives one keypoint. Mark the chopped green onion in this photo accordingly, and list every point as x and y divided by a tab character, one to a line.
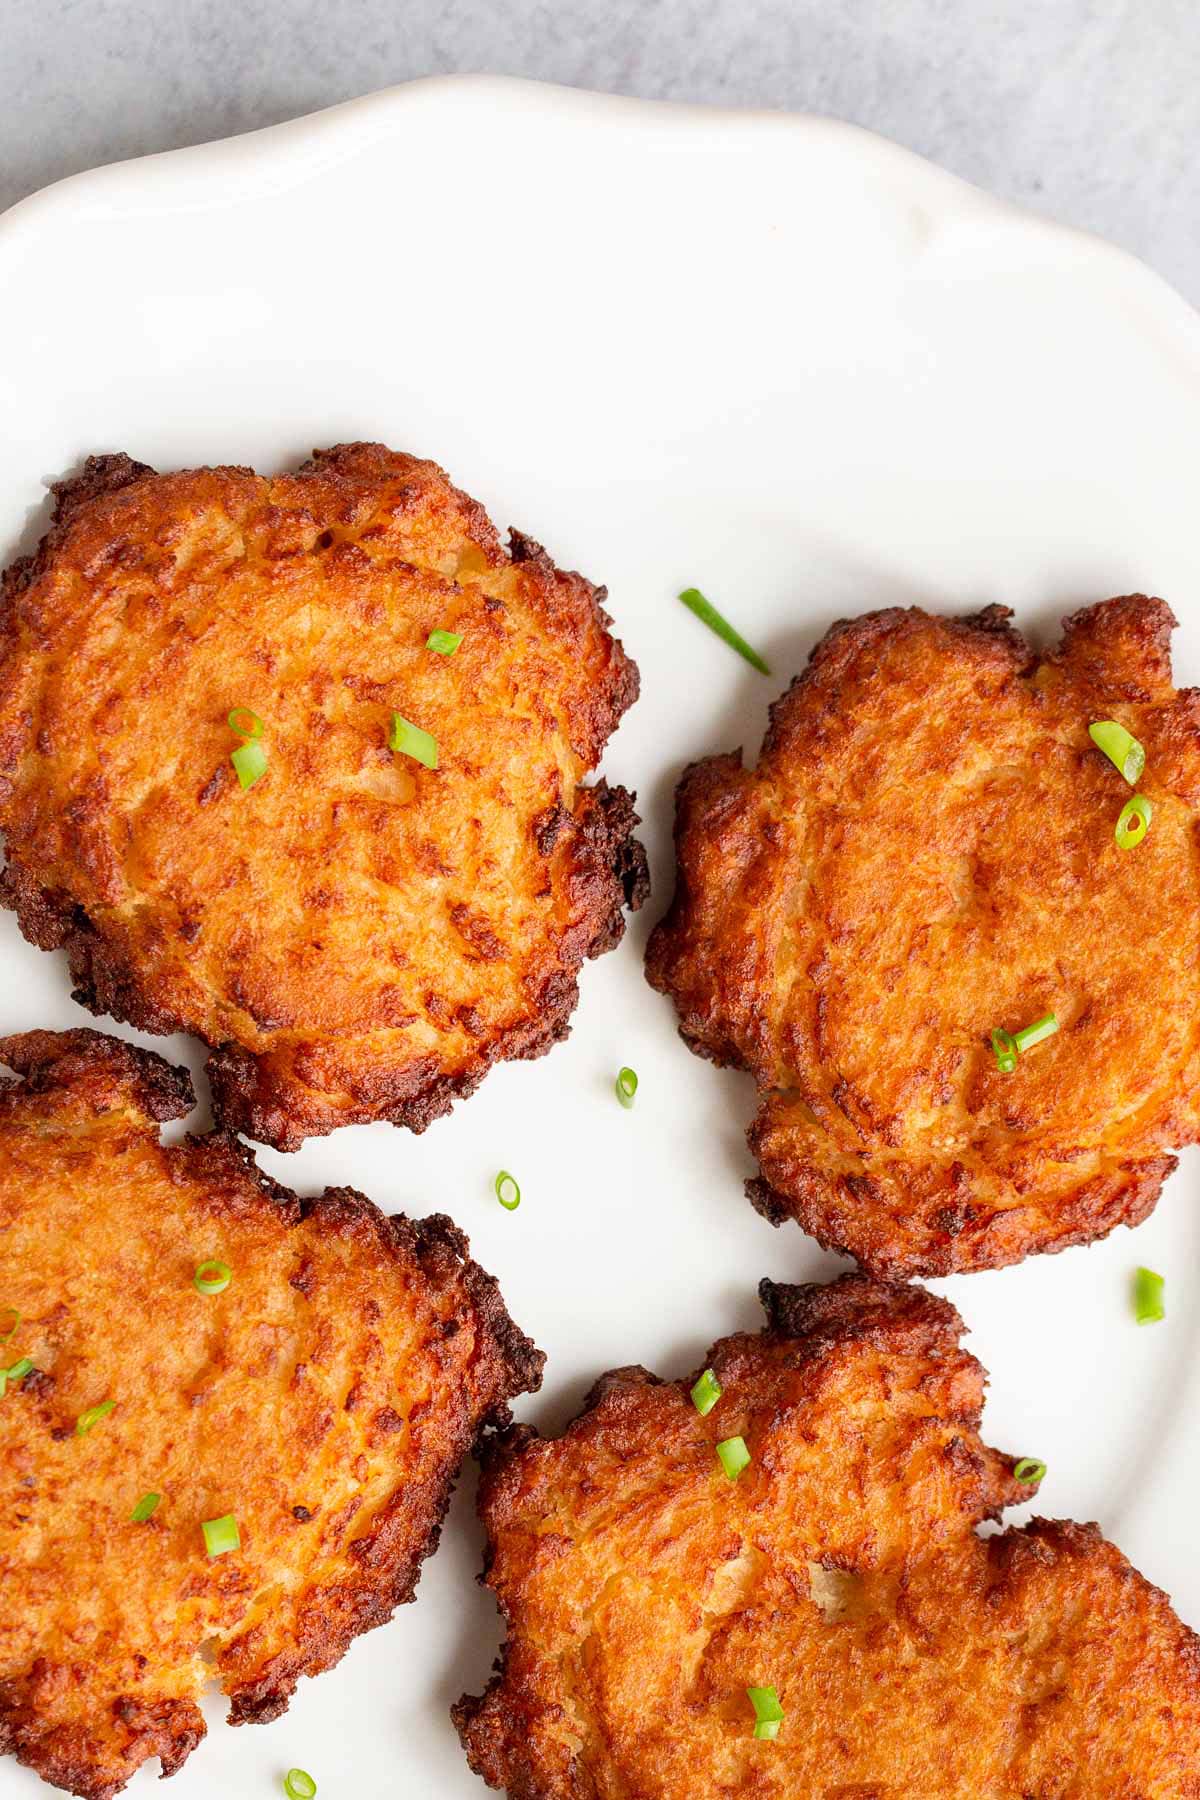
250	762
1122	750
1029	1035
705	611
145	1507
1134	822
768	1714
92	1416
298	1784
733	1456
410	740
444	642
247	724
1029	1470
221	1535
11	1330
212	1277
706	1393
1148	1305
627	1086
15	1372
507	1191
1005	1051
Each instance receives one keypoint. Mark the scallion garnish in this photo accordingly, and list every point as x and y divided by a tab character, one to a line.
1134	822
444	642
16	1372
221	1535
212	1277
298	1784
1121	748
250	762
706	1393
627	1085
144	1509
1148	1306
1029	1035
1029	1470
10	1331
245	723
1007	1046
92	1416
410	740
249	759
704	610
733	1456
768	1714
507	1191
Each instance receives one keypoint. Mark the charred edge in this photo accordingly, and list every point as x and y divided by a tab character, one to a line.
56	1059
852	1305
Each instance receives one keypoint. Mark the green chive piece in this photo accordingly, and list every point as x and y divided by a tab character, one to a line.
1122	750
707	613
3	1383
298	1784
508	1193
250	761
212	1277
10	1331
627	1086
444	642
706	1393
768	1714
221	1535
410	740
144	1509
19	1370
1004	1049
92	1416
1029	1471
1029	1035
1148	1306
1134	822
734	1456
247	724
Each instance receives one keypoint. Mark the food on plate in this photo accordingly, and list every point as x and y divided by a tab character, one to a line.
231	1418
813	1612
297	764
967	992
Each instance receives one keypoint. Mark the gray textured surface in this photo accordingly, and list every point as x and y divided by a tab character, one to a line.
1086	109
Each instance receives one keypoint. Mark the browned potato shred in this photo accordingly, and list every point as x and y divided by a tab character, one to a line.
356	936
644	1592
924	852
325	1399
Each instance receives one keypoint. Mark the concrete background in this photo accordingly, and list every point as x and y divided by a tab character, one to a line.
1089	112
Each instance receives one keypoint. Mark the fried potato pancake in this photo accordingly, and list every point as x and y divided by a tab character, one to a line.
926	852
645	1592
357	936
324	1399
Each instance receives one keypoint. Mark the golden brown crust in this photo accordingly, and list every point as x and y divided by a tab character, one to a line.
924	852
644	1592
326	1399
356	936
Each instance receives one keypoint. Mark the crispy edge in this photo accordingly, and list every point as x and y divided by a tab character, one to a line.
104	1072
609	872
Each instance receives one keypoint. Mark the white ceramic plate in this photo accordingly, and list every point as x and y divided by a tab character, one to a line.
775	357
